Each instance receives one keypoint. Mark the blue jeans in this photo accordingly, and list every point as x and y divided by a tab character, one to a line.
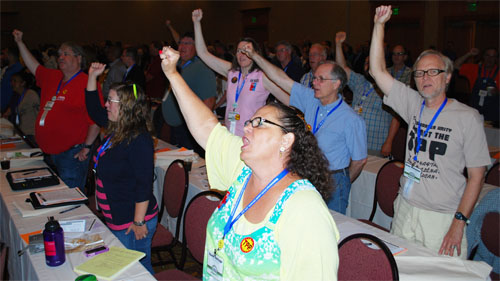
143	245
71	170
340	198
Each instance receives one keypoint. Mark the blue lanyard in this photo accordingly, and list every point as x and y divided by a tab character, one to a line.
286	67
323	121
21	97
59	86
419	139
230	221
238	89
365	93
104	147
186	64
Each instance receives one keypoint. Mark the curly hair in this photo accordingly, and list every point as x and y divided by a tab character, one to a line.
306	158
134	116
234	64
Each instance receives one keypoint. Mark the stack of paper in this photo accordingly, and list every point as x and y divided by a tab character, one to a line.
51	197
109	265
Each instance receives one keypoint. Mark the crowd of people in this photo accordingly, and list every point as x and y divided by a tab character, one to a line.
284	133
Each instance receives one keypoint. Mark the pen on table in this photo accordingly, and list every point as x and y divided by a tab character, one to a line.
70	209
91	225
29	173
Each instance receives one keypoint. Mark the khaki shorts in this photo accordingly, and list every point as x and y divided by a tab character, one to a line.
423	227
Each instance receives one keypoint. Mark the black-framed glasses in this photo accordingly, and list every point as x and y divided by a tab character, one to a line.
259	121
430	72
321	79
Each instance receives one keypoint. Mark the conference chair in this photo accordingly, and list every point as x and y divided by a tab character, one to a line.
365	257
175	188
198	212
386	190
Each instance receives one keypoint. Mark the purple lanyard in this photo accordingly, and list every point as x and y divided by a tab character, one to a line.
60	82
230	221
419	139
323	121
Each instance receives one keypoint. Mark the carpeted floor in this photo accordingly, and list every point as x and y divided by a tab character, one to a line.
191	266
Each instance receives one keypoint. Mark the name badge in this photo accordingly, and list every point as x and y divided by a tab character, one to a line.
48	105
358	109
412	173
482	95
233	116
215	266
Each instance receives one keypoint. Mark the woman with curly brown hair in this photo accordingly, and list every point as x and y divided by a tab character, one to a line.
273	222
124	163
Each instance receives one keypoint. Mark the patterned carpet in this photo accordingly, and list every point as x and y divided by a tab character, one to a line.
191	266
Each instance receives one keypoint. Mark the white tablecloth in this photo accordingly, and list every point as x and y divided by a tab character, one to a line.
32	266
418	262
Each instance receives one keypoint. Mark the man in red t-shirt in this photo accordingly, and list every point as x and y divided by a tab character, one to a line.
63	128
483	80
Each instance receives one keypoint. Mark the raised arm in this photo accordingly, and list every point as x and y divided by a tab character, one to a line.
278	93
174	32
94	108
377	60
218	65
277	75
472	53
198	116
339	53
28	58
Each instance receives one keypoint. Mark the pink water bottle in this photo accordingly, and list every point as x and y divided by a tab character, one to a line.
53	240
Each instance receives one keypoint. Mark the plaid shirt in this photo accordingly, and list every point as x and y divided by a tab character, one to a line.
376	116
307	79
403	76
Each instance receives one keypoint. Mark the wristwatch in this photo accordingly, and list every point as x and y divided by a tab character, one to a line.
89	146
460	216
139	223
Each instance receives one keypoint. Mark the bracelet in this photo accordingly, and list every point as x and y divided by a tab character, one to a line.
139	223
89	146
460	216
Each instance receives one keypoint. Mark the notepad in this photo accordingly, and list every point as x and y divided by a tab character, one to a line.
109	265
52	197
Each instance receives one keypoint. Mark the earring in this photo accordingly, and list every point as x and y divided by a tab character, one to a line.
282	149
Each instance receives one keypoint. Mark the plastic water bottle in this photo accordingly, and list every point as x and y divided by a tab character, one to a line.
53	240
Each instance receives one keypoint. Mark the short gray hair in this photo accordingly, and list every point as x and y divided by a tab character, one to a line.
337	72
284	43
448	65
78	51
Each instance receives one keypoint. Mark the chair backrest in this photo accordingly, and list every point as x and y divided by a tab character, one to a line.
493	175
387	187
398	148
198	212
175	188
365	257
490	232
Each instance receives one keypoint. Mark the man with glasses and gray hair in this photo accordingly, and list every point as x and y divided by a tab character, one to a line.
317	54
340	132
444	136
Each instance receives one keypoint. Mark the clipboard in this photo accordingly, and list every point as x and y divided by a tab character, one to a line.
37	205
28	182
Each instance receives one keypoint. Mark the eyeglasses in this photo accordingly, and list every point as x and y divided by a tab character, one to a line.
399	54
430	72
112	100
259	121
321	79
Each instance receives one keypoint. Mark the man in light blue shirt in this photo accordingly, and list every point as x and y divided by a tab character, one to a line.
340	132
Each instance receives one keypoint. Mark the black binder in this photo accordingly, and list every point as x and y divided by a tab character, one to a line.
32	183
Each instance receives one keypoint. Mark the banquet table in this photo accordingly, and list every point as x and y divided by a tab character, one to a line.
32	266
